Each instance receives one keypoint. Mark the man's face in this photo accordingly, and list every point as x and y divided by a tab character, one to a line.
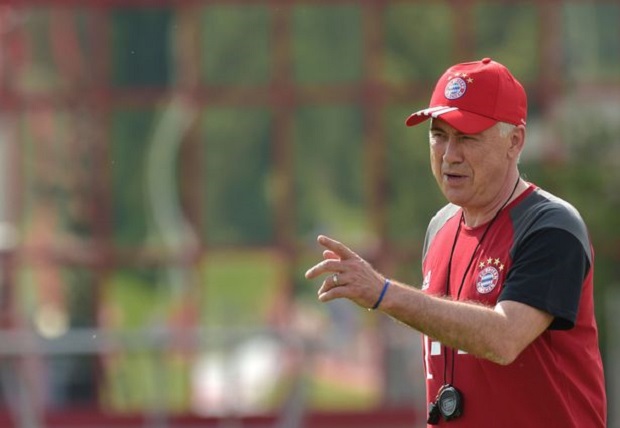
471	169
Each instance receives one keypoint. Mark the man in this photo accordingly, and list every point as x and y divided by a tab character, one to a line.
506	304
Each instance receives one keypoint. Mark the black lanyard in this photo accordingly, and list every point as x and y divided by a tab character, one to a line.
473	256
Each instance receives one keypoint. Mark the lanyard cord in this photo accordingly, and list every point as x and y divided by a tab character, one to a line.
473	255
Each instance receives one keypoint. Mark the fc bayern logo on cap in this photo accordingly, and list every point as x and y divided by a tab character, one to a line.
455	88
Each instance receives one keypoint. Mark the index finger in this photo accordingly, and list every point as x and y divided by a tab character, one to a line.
337	247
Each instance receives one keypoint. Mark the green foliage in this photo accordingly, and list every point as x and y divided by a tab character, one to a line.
239	288
239	206
413	193
140	46
419	40
139	299
79	286
136	297
509	34
591	32
235	44
327	43
333	395
131	133
329	179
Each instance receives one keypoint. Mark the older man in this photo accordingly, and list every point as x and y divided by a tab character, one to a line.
506	303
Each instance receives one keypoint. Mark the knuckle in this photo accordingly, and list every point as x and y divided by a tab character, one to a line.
330	265
324	265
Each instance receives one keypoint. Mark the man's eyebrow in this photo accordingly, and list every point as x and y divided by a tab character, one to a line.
440	129
456	132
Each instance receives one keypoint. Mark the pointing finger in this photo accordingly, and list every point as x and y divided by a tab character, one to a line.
328	265
336	247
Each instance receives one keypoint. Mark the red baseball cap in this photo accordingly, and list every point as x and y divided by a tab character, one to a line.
473	96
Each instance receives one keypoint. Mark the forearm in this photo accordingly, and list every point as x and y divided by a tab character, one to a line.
498	334
476	329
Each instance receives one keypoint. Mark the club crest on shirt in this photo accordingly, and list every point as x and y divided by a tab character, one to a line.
488	276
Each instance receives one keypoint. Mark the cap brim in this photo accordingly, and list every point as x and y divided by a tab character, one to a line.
463	121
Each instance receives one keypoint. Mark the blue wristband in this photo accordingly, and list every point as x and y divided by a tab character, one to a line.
386	284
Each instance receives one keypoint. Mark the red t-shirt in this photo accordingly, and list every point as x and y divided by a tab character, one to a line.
537	252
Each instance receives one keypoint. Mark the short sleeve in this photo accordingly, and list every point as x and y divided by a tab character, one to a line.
547	273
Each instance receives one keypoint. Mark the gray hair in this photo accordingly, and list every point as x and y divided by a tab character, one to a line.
505	128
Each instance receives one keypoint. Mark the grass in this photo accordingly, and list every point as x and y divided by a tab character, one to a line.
238	290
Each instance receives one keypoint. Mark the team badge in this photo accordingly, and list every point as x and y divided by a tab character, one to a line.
488	277
455	88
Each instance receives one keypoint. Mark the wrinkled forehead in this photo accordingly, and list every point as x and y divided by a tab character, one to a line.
440	124
495	131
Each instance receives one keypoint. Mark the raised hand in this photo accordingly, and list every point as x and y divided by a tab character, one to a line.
350	276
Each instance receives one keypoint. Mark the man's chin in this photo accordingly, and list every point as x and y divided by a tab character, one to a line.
454	197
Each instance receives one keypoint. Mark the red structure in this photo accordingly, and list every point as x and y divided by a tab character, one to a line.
79	36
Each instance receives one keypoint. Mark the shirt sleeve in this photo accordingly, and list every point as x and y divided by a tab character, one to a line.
547	273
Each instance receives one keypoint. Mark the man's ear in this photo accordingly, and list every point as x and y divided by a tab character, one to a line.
517	141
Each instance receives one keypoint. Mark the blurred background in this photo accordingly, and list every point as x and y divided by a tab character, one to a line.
165	167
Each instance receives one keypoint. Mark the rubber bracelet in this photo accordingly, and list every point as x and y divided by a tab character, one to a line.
386	284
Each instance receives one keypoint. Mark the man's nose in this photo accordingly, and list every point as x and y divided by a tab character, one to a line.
453	152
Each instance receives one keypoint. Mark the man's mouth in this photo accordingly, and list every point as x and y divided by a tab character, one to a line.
449	176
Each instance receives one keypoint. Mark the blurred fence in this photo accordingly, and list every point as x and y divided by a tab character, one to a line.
165	166
18	346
